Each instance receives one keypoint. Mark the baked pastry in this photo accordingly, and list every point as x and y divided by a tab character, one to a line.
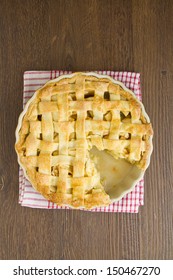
76	132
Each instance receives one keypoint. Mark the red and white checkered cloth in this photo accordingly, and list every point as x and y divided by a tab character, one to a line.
30	197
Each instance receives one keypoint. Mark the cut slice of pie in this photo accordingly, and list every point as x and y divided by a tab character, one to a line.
83	140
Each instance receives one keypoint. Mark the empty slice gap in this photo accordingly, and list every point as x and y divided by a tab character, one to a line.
114	173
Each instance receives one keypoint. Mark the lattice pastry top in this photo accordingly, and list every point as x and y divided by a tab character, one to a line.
61	123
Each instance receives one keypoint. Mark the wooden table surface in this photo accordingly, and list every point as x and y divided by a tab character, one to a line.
88	35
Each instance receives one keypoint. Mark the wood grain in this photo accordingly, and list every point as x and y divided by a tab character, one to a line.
84	35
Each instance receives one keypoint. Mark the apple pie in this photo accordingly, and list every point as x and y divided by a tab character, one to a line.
84	140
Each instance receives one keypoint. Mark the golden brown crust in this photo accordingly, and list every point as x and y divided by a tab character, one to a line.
63	121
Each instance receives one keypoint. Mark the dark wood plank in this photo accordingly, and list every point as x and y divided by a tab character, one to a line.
88	35
153	24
